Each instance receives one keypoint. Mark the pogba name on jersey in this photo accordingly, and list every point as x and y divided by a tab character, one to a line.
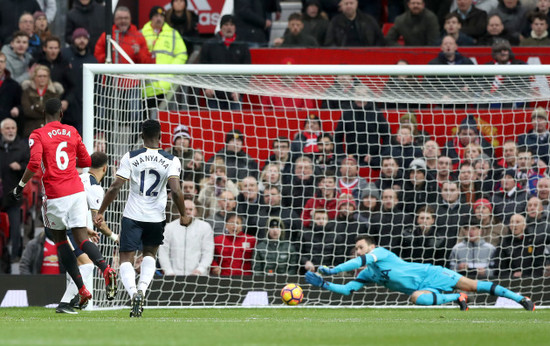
57	132
150	158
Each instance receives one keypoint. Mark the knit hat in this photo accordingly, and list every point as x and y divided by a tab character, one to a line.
227	18
234	134
156	10
511	173
469	123
275	223
540	113
483	202
370	192
180	131
80	32
346	201
418	165
38	14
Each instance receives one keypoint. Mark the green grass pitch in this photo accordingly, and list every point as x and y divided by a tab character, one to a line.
285	326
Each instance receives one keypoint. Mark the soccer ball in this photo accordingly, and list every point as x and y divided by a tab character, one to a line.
292	294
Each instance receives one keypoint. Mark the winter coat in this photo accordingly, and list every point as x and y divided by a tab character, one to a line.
316	27
507	204
187	248
302	40
388	226
276	256
90	17
33	256
18	68
10	96
416	30
10	11
415	197
322	246
368	33
512	18
524	253
477	255
475	24
239	165
250	17
16	151
448	220
186	26
290	219
295	195
33	104
233	254
126	40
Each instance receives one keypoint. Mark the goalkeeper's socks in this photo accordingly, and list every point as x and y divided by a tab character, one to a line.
86	270
497	290
128	277
436	298
68	259
148	267
93	252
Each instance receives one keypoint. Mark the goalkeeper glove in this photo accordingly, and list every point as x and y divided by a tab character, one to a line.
17	193
315	279
325	270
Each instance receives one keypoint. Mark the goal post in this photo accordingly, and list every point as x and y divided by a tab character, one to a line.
399	103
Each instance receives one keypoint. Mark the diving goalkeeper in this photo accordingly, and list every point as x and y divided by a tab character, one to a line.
425	283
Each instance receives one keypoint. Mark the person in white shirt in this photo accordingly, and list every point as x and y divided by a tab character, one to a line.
187	250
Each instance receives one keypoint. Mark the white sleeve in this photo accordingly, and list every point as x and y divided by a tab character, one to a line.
94	195
175	168
164	252
124	170
207	249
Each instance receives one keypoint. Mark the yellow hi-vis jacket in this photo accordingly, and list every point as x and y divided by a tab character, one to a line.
167	47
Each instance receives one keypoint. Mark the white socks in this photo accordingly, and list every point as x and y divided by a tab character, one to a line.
148	267
86	270
128	277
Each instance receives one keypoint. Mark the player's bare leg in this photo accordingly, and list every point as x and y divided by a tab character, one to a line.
492	288
109	274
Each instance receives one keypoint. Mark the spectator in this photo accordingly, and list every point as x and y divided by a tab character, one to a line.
418	191
305	141
453	27
538	36
275	254
315	21
226	204
192	161
341	84
10	95
10	12
469	190
402	148
510	151
485	5
449	213
185	23
252	22
419	136
167	47
390	223
440	8
536	218
513	16
325	159
233	250
537	140
521	255
391	176
353	28
36	92
271	175
272	208
542	7
302	186
78	54
41	26
418	26
424	244
484	175
282	157
321	244
444	170
40	257
49	7
349	181
361	132
128	38
527	174
26	25
496	31
248	203
369	204
224	48
17	56
449	54
295	36
326	198
509	199
430	155
14	156
87	14
492	230
214	186
473	256
187	250
474	17
347	223
467	133
239	164
543	193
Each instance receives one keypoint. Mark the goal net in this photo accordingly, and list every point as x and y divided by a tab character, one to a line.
445	165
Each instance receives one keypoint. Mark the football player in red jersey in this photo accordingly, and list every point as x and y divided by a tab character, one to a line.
57	149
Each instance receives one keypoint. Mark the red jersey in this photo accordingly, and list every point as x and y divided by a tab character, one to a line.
233	254
58	149
50	263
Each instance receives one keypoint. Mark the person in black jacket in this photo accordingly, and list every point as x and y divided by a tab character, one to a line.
474	20
224	48
537	140
252	21
10	11
86	14
353	28
418	191
10	96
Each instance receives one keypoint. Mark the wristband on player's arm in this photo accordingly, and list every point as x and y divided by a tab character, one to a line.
114	237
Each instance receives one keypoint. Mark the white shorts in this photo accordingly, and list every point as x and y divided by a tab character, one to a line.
65	212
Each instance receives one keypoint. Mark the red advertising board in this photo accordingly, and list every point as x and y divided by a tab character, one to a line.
207	10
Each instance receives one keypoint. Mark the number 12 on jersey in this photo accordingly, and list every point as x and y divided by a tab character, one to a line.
151	178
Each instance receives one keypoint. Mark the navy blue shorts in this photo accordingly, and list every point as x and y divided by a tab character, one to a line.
135	233
76	247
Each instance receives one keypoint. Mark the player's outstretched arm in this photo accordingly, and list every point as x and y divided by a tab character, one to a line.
350	265
347	289
109	197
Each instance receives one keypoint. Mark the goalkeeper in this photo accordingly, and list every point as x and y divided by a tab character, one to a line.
425	283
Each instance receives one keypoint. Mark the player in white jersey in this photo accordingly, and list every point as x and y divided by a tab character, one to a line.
149	169
94	197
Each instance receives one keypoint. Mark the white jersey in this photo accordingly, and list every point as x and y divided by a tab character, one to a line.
94	194
148	171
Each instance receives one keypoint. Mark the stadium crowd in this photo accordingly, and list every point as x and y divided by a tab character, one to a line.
303	206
